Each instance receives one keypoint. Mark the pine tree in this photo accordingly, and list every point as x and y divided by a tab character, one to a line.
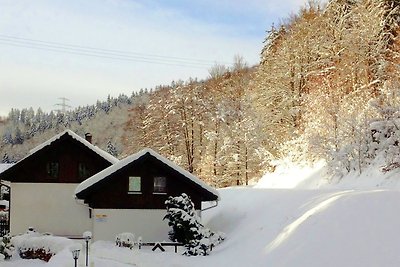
6	158
111	149
19	138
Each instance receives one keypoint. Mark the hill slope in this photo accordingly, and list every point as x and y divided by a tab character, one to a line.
309	228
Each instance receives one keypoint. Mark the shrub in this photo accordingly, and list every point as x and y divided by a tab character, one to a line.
6	248
36	246
38	253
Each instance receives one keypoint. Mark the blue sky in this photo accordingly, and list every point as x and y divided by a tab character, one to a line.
44	45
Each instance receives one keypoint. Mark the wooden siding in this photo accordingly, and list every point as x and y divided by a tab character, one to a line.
112	192
67	152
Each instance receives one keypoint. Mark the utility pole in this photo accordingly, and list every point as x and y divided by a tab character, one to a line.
63	105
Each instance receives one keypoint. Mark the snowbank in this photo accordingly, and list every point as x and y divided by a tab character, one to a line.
289	175
350	228
35	241
317	176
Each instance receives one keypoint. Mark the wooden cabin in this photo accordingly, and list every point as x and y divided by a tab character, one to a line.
130	195
42	185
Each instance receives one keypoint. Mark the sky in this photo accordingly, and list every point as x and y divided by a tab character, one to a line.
86	50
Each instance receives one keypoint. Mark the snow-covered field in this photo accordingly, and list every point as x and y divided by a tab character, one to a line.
291	218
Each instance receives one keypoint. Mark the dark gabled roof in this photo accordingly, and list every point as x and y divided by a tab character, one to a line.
97	178
94	148
103	154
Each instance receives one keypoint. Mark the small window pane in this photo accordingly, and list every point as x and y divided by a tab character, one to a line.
83	171
52	169
135	184
160	184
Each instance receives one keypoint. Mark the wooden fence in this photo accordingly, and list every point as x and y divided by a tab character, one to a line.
160	245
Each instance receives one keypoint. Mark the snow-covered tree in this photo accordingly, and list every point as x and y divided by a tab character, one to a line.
187	229
6	158
112	149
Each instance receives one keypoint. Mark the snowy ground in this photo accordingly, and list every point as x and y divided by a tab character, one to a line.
282	222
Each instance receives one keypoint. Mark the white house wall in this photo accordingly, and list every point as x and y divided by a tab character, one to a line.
148	224
48	207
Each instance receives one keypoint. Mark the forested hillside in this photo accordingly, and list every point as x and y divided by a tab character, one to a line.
26	128
208	127
205	126
327	87
329	83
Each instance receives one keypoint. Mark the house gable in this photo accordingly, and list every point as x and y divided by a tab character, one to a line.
110	188
65	158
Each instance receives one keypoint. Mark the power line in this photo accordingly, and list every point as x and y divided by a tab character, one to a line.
107	50
103	53
102	56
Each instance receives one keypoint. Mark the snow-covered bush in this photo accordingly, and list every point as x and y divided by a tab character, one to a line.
37	246
187	229
3	215
6	247
125	240
205	241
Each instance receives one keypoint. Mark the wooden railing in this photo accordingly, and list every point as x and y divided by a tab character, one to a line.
160	245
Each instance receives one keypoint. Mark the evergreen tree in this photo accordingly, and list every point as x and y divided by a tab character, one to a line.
187	229
6	158
111	149
7	137
19	138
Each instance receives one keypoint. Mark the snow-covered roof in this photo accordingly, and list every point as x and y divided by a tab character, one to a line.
94	148
5	166
5	203
122	163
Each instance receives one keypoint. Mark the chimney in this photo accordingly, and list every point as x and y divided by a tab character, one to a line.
88	137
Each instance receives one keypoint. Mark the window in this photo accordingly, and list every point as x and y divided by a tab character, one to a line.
160	184
52	169
135	184
83	171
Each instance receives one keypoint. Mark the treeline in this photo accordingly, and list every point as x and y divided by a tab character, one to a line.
23	125
329	82
208	127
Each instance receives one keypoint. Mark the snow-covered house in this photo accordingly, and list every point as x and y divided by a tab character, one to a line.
129	196
43	184
67	186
